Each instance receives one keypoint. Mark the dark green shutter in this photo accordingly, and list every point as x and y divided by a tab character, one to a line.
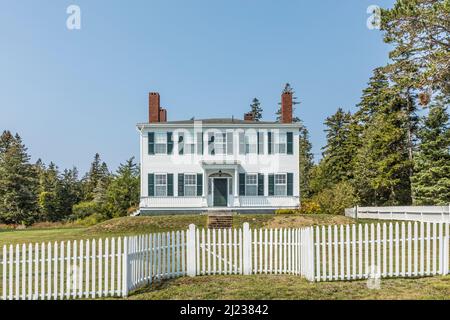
260	184
242	184
181	185
181	144
199	184
169	143
269	142
170	185
151	185
290	184
271	184
211	144
151	143
200	143
290	143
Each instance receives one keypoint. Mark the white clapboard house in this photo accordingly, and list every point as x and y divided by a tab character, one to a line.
222	164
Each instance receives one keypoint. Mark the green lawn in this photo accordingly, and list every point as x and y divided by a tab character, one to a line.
141	225
237	287
292	287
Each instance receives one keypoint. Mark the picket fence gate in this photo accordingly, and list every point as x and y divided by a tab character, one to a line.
113	267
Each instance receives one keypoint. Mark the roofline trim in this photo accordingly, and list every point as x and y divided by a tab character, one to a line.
218	125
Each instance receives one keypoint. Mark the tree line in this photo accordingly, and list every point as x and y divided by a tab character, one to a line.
34	192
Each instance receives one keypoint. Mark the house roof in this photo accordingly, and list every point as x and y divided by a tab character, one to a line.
218	122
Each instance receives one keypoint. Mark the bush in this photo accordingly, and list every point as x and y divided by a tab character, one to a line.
336	199
287	211
310	207
85	209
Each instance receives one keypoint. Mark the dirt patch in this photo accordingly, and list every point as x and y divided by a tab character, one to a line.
298	221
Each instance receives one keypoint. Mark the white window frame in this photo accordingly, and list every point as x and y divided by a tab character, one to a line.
221	144
253	185
281	142
277	184
251	143
194	185
160	142
160	185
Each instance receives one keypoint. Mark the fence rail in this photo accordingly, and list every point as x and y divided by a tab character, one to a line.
408	213
114	266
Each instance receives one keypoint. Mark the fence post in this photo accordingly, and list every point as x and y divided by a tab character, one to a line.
191	266
125	270
445	249
247	249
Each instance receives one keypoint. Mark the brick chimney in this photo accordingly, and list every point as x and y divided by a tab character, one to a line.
286	107
155	112
248	117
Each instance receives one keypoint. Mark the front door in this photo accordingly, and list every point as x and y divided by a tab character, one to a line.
220	192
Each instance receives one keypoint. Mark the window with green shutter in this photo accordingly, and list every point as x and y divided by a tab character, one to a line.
260	143
260	184
269	143
290	184
199	184
290	143
170	184
271	184
151	185
151	143
181	184
169	142
242	184
199	143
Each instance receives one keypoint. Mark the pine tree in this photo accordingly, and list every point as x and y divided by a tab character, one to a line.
123	192
70	193
288	88
256	110
50	207
18	182
306	163
382	165
338	152
96	178
431	180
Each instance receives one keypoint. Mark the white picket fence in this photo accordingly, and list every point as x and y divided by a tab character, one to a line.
115	266
408	213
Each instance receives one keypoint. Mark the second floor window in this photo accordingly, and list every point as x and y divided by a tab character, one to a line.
250	143
280	146
160	143
160	185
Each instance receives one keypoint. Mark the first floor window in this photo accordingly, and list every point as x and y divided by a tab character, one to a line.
190	185
161	143
160	185
280	185
251	185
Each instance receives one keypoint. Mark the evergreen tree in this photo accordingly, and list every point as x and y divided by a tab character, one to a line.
96	178
50	206
70	193
419	32
124	190
431	180
338	152
288	88
256	110
382	165
306	163
18	182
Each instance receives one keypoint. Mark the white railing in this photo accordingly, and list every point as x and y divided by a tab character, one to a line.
172	202
411	213
113	267
270	202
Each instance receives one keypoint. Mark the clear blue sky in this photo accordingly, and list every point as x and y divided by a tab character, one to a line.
70	94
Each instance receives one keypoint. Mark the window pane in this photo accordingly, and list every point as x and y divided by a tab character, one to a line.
189	179
190	191
161	191
251	179
280	190
251	190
